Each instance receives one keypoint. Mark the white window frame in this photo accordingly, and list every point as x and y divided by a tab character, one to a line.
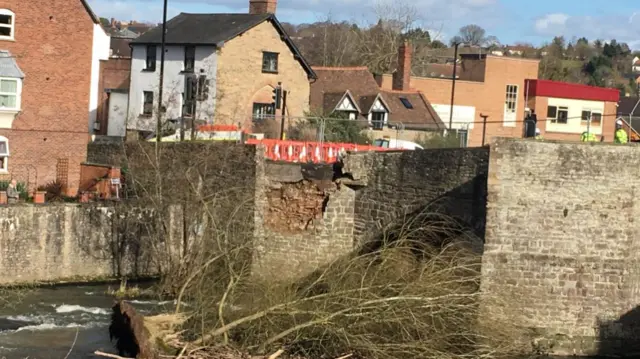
12	27
4	157
554	120
510	117
591	113
18	95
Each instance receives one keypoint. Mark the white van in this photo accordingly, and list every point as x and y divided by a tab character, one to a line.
397	144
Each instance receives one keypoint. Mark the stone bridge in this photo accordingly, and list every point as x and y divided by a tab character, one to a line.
558	223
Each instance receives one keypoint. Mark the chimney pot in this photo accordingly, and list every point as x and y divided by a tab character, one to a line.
262	6
402	76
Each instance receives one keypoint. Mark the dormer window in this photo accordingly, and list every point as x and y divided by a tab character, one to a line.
7	28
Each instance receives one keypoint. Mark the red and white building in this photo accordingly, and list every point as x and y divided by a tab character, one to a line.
566	110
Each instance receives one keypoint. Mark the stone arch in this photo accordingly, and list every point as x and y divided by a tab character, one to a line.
262	94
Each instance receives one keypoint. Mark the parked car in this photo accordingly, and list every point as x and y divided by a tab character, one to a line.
397	144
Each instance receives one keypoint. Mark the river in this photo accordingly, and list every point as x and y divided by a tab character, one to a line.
43	324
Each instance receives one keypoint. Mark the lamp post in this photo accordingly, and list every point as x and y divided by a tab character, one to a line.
161	84
453	83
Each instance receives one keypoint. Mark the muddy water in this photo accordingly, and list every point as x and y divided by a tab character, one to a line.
44	323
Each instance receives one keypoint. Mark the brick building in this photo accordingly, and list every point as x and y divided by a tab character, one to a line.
566	110
485	85
47	108
115	76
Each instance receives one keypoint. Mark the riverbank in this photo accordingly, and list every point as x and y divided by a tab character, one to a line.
48	321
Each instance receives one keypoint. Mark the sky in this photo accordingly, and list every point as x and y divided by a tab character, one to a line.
512	21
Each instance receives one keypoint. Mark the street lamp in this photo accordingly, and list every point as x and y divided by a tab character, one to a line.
160	109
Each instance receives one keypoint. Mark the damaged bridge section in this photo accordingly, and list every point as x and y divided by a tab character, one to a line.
307	216
304	218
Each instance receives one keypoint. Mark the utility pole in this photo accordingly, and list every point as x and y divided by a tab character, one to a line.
484	127
453	83
160	109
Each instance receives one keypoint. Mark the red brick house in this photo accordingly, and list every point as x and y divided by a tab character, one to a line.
115	75
49	88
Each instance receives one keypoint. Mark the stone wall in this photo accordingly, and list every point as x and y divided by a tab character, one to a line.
303	219
73	242
563	240
394	187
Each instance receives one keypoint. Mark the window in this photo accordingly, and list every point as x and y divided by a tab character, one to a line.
270	62
377	120
558	114
406	102
189	58
9	94
4	154
595	117
147	107
151	58
511	100
381	143
7	28
262	111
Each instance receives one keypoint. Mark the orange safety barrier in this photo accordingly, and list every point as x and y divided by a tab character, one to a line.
316	152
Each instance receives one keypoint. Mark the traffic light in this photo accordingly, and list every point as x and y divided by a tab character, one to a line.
277	96
191	88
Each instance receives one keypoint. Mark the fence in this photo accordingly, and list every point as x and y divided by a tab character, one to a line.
316	152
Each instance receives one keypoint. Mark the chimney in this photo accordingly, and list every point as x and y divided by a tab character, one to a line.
402	76
262	6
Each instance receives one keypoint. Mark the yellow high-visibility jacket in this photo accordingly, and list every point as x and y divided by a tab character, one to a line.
621	136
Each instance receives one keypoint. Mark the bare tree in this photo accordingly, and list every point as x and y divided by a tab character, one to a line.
474	35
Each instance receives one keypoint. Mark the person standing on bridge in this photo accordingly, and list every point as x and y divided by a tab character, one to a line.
620	135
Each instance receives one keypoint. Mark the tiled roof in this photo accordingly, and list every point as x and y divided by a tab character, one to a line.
358	80
333	83
202	29
214	29
120	47
8	66
422	114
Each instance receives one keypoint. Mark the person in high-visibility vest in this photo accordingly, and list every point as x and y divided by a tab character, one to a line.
620	135
538	135
588	137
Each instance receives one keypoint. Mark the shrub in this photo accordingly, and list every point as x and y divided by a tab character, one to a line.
54	191
449	140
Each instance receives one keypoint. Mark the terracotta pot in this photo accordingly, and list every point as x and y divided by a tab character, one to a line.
39	197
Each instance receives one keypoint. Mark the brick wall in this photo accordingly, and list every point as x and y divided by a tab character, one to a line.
395	186
114	74
241	82
562	241
53	47
74	242
488	97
